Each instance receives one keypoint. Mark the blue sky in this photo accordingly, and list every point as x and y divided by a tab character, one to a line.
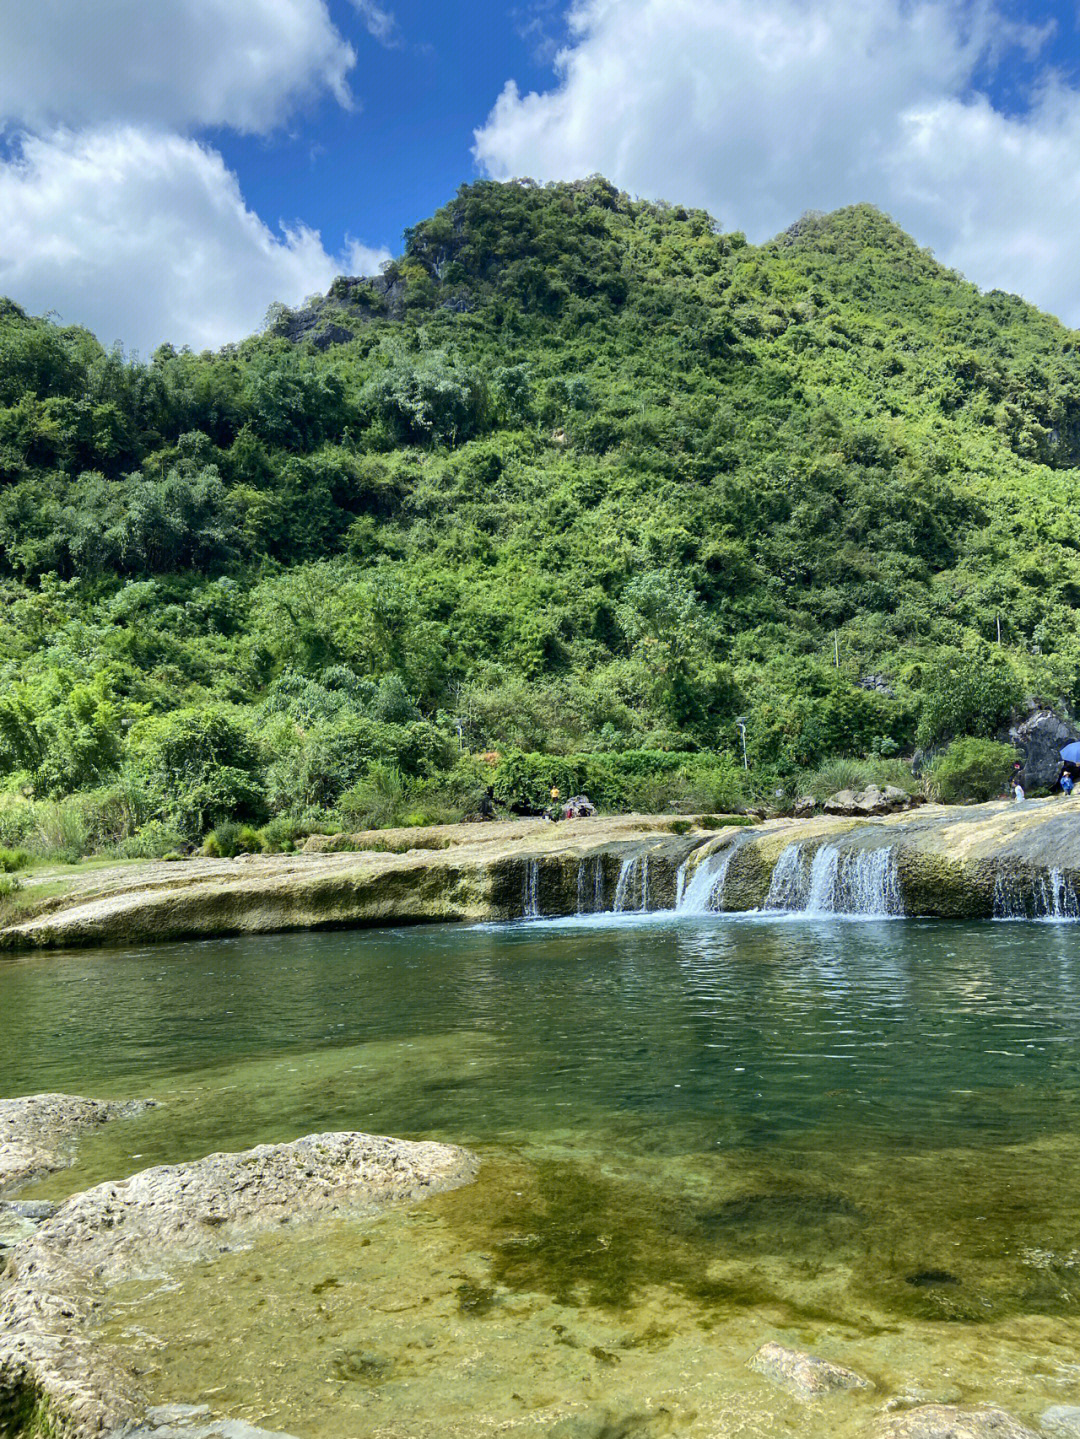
169	170
407	146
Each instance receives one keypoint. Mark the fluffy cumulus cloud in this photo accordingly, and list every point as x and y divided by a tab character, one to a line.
760	109
145	237
169	62
114	214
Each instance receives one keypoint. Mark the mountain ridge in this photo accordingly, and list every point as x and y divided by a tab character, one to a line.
576	474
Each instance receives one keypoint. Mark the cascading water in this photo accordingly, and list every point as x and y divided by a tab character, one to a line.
597	886
854	881
632	889
705	892
530	895
1050	895
789	886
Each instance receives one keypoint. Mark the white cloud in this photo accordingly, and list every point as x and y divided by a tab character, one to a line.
760	109
379	22
176	63
145	237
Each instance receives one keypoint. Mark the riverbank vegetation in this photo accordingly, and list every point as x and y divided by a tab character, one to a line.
573	488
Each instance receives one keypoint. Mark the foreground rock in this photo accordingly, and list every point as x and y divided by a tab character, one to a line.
803	1374
38	1132
944	1421
52	1293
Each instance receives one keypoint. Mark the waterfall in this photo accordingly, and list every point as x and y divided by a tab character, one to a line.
856	881
597	886
824	877
633	885
530	895
788	887
705	892
1049	895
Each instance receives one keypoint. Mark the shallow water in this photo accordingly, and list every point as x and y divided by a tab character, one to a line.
698	1134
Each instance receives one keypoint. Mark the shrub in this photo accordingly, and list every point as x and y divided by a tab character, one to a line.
152	840
971	769
377	800
200	768
13	859
229	838
966	692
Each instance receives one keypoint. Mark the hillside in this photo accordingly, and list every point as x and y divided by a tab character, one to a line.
579	475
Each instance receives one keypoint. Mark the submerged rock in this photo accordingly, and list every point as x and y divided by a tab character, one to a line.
1061	1420
945	1421
805	1375
38	1131
175	1421
52	1299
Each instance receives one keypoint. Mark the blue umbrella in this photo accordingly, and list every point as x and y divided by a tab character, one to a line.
1071	752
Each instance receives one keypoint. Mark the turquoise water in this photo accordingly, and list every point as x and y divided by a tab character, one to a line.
860	1135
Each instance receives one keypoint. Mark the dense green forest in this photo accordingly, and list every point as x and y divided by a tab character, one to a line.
577	483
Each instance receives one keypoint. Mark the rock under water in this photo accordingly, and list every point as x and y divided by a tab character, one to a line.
52	1295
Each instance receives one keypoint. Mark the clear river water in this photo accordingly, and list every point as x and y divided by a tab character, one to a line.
699	1132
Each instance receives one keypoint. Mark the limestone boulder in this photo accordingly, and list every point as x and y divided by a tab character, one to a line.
873	800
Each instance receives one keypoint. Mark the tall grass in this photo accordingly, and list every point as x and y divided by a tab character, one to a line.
856	774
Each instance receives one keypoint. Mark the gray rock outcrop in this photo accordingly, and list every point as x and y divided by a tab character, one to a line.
1040	738
803	1374
38	1131
52	1294
945	1421
871	801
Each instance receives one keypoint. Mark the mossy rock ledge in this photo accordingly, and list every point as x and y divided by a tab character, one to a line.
954	862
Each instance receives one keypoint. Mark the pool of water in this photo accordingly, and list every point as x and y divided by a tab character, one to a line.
698	1133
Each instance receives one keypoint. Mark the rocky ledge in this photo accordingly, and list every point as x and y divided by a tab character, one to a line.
55	1375
38	1132
1004	860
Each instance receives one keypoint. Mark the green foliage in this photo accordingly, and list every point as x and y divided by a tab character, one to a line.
589	480
13	859
968	691
971	769
199	768
838	774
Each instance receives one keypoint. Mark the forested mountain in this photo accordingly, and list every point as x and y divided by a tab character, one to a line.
579	474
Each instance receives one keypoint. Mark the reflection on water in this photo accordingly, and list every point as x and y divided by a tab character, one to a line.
698	1134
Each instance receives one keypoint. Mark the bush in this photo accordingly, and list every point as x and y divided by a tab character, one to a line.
229	838
376	801
152	840
967	692
13	859
971	769
200	768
